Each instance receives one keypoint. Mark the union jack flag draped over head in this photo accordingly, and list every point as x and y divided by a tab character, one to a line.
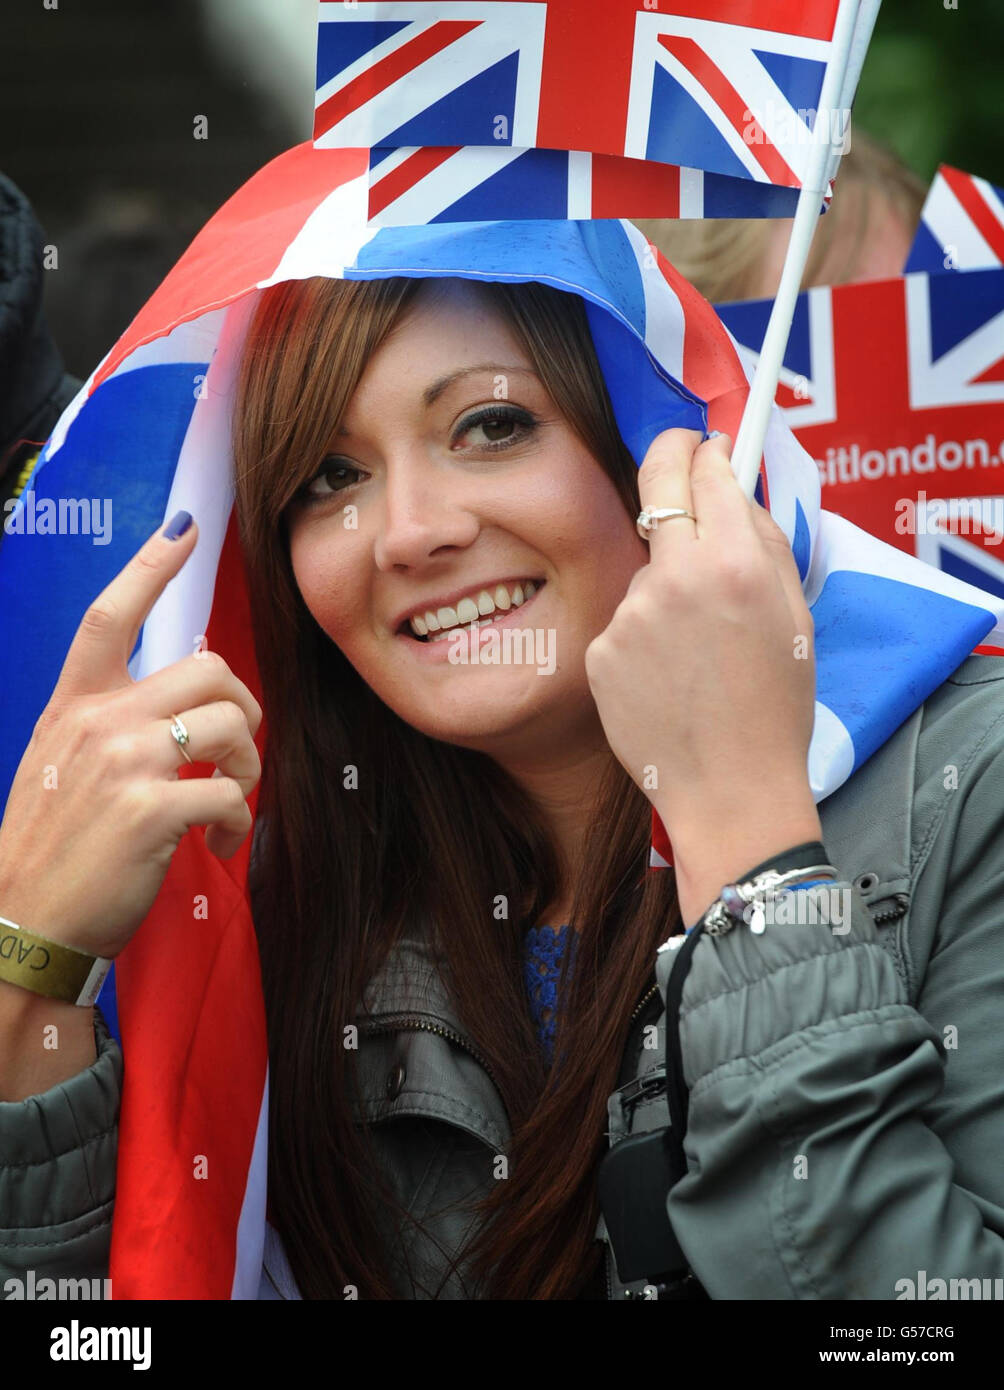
150	430
581	108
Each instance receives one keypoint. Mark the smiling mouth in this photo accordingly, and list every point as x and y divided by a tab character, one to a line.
519	597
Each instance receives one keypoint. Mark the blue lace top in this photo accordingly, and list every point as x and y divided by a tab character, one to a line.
543	951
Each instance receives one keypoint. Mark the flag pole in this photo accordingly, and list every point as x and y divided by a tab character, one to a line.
752	430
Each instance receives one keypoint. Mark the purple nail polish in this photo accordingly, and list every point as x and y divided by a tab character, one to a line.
177	526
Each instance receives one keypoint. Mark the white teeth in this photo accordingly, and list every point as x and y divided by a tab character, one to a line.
479	610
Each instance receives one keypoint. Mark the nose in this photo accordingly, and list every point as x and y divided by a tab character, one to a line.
423	513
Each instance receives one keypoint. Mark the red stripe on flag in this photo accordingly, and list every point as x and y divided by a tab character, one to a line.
194	1043
976	209
389	70
578	109
241	244
732	106
810	19
992	373
407	174
711	365
634	188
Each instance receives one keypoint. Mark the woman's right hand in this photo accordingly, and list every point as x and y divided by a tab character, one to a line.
97	809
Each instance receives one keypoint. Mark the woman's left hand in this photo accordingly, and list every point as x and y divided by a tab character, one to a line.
704	679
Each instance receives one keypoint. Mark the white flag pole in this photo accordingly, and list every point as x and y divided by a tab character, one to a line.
834	96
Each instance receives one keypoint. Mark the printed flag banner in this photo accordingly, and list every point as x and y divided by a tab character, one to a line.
729	87
471	183
896	388
149	433
961	225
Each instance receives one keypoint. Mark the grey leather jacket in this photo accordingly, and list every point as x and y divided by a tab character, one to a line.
846	1122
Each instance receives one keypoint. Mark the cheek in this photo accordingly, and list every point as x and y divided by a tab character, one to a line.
327	579
591	536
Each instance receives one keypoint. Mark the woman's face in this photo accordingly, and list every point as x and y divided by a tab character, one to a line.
454	477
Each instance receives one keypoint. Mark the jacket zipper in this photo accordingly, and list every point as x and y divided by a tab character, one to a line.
608	1253
901	903
642	1002
422	1025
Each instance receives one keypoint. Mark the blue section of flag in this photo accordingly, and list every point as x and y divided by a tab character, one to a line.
339	44
960	304
594	258
801	545
680	132
123	446
800	79
728	197
536	183
953	563
108	1003
927	253
493	90
876	659
747	321
644	404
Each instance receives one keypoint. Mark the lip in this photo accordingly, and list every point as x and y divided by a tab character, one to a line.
451	599
438	652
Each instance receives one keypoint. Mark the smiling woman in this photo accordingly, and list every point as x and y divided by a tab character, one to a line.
473	781
475	993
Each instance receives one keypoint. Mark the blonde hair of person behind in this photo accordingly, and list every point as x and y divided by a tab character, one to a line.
723	256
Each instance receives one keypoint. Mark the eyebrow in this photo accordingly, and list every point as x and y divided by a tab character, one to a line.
432	393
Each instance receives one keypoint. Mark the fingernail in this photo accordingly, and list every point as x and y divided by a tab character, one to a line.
177	526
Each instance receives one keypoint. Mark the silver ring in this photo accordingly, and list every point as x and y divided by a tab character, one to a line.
649	518
180	735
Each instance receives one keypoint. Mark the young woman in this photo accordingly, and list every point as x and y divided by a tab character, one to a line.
450	855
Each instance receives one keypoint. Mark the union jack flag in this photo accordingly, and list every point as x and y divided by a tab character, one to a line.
896	387
472	183
727	86
961	225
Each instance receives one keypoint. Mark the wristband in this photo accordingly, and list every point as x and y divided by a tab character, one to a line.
48	967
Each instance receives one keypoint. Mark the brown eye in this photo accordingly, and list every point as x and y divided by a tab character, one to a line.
498	429
495	427
334	477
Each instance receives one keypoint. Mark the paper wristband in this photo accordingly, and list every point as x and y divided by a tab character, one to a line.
48	967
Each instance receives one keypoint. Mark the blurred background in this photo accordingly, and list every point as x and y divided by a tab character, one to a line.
99	98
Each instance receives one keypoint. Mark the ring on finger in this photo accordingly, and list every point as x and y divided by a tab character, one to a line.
180	735
649	518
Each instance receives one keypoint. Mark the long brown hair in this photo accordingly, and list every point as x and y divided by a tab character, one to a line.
336	875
